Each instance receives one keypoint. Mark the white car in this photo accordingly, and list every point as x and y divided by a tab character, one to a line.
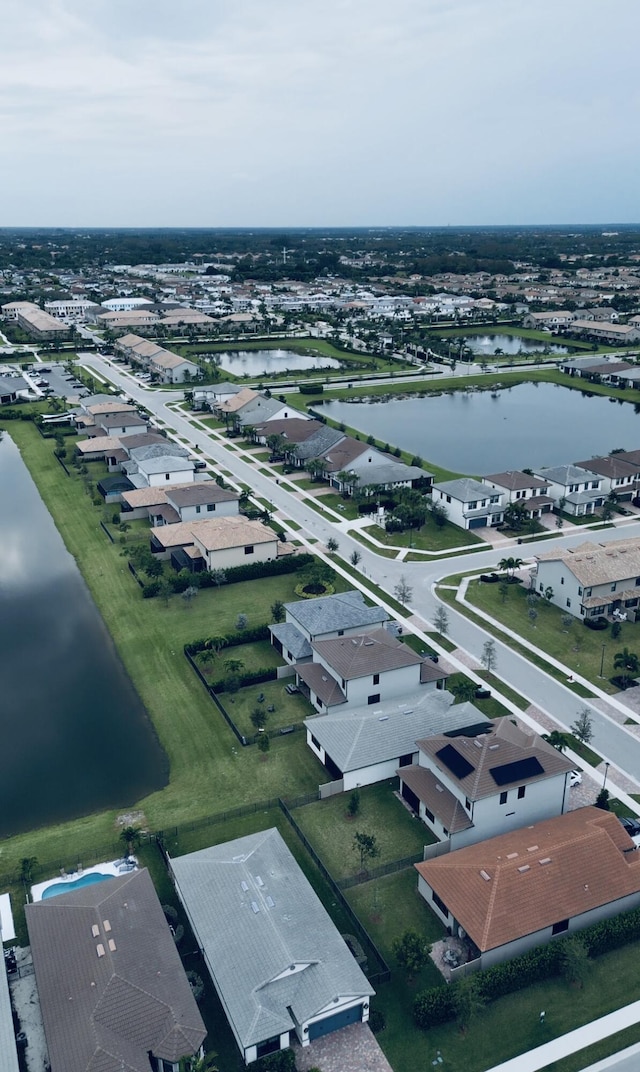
575	778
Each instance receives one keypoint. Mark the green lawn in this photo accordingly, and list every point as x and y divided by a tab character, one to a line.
288	709
427	538
344	507
256	655
330	829
577	647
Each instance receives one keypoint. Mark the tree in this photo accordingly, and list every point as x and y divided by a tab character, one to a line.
489	656
628	662
353	807
219	577
132	837
548	593
463	688
27	867
200	1064
278	611
439	515
233	666
582	728
315	468
616	629
332	545
441	620
575	961
264	744
509	565
354	558
602	800
258	717
241	622
503	589
567	621
189	594
403	590
366	845
411	951
557	740
468	1000
533	614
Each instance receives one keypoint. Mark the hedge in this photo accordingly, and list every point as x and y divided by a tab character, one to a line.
254	570
254	677
231	640
437	1005
311	388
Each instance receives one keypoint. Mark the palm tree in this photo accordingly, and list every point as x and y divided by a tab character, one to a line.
207	1063
132	836
27	865
556	739
629	663
509	565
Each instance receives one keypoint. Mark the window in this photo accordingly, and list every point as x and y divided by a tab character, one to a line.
503	798
579	591
541	586
374	698
562	580
559	928
197	509
167	476
429	814
467	804
210	507
315	743
448	498
270	1045
521	791
406	760
568	602
473	505
439	903
613	587
340	632
587	592
248	549
376	679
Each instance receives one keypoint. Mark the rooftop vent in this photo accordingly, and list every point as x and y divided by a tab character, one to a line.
383	718
100	950
106	924
485	875
254	907
525	867
545	860
409	711
533	848
112	945
492	747
439	788
478	742
511	855
245	886
259	881
95	930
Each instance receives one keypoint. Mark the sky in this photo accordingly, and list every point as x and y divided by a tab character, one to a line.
275	113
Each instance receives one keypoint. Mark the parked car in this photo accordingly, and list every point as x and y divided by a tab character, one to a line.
632	826
575	778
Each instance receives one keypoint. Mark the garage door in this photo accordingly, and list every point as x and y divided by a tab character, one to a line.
478	523
334	1023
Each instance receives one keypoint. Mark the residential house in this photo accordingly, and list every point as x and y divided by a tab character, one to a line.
216	543
293	430
574	490
34	321
111	985
615	334
619	477
527	492
315	446
260	409
9	390
470	504
148	466
280	967
308	620
70	308
209	394
560	318
364	745
194	502
380	472
468	787
519	890
593	579
8	1052
120	424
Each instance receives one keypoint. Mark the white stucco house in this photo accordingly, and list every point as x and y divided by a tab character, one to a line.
519	890
592	579
528	492
470	504
619	477
574	490
217	543
308	620
280	967
468	787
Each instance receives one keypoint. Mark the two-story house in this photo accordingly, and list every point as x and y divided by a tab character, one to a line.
470	504
619	477
528	492
325	618
193	502
574	490
593	579
467	787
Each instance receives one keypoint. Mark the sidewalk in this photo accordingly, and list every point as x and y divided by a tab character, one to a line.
573	1041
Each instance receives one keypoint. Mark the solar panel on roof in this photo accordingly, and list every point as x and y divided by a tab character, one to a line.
516	772
456	763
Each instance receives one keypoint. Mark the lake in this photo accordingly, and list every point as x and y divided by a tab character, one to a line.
510	344
529	425
271	362
74	735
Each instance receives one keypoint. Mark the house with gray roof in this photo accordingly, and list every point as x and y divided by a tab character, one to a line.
314	446
469	503
279	965
370	744
593	579
387	473
306	620
112	989
470	786
575	490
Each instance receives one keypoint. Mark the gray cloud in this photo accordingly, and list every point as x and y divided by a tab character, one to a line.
345	112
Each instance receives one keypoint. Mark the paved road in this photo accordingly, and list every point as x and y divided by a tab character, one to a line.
614	742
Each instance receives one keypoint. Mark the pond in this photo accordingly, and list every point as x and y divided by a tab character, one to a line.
487	345
74	735
481	432
271	362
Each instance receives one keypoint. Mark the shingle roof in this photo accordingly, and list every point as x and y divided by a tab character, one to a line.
465	489
293	429
107	1011
567	474
328	614
365	654
553	870
363	736
319	442
493	756
514	480
611	466
341	454
604	563
291	639
205	491
249	948
386	472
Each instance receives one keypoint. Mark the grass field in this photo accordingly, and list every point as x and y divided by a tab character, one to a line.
428	538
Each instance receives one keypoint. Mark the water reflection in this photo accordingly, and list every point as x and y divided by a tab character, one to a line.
74	734
271	362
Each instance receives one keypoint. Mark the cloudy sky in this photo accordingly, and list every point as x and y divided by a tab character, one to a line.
341	112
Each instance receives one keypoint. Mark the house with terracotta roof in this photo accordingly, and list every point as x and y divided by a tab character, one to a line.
112	989
217	543
468	787
592	579
522	889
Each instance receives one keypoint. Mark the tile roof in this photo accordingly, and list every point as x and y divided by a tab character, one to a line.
328	614
567	474
599	563
321	683
319	442
205	491
214	534
107	1010
366	653
251	949
293	429
236	402
514	480
536	876
440	801
360	737
341	454
151	496
612	466
486	760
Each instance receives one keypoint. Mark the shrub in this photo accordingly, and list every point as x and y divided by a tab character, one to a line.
377	1022
433	1007
311	388
596	623
151	590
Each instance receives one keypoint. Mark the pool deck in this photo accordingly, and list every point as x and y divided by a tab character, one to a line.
109	869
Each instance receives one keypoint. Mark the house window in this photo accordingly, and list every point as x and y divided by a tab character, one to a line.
503	798
248	549
568	602
374	698
613	587
270	1045
473	505
210	507
467	804
439	903
448	498
406	760
562	580
340	632
315	742
167	476
579	591
430	816
376	679
521	791
559	928
541	586
197	509
587	591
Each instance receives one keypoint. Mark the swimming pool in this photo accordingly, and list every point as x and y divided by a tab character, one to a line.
65	887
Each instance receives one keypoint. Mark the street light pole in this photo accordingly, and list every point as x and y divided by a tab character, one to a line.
606	771
602	660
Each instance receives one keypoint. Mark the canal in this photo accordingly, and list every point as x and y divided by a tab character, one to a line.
74	735
481	432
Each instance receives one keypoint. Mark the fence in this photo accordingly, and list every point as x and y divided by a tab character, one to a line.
106	530
62	464
382	976
331	789
380	872
441	848
134	573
